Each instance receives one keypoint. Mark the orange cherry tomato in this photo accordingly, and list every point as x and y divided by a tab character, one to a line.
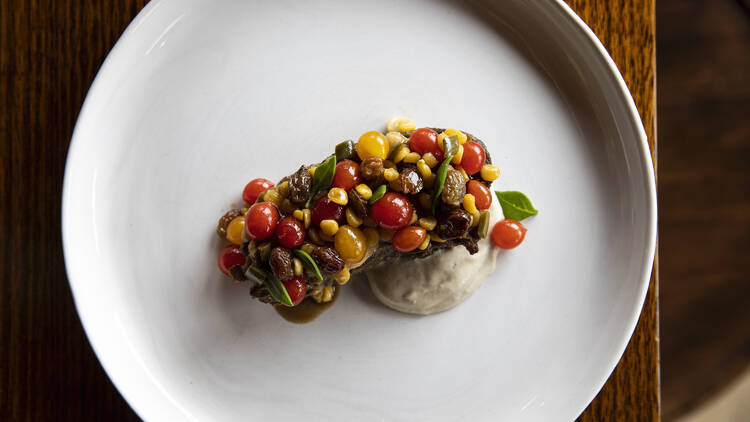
408	238
473	158
507	234
481	193
346	175
254	188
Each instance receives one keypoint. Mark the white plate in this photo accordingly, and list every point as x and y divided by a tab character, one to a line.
198	97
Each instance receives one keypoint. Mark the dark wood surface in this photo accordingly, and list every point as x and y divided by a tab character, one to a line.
49	54
704	193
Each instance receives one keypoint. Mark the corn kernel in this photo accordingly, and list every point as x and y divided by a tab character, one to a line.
395	139
272	196
425	243
440	139
401	153
297	266
459	155
283	189
338	196
372	236
489	172
388	164
390	175
435	238
428	223
400	124
475	219
327	294
470	204
386	234
454	132
463	173
414	218
235	229
352	218
308	247
329	227
364	191
430	160
299	215
341	277
412	157
369	222
317	295
306	215
424	169
312	170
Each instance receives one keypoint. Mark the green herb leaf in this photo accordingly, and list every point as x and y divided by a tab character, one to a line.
308	262
377	194
322	178
277	290
450	144
516	205
440	180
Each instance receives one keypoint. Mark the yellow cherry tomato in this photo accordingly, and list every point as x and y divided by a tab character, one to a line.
235	229
372	144
350	243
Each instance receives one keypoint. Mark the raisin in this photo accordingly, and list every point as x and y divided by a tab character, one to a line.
454	188
453	224
371	168
300	184
409	181
281	263
221	228
357	203
329	261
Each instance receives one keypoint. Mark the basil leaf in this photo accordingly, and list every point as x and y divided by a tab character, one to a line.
450	145
322	178
277	290
308	262
377	194
440	180
516	205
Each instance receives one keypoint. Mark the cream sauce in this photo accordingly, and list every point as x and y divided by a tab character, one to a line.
436	283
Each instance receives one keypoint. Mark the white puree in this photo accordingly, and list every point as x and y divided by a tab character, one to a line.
438	282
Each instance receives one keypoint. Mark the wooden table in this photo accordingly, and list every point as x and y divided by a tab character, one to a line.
49	54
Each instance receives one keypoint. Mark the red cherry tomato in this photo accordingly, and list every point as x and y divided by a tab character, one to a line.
474	157
424	140
325	209
408	238
481	193
254	188
346	175
261	220
296	288
392	211
290	232
507	234
230	256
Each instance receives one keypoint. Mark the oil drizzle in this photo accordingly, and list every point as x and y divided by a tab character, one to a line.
306	311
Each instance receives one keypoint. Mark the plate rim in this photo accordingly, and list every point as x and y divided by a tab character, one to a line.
611	71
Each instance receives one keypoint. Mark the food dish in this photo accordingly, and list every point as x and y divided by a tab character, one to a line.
385	201
194	90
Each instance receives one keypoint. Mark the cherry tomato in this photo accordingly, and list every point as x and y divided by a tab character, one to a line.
372	144
254	188
507	234
351	244
261	220
408	238
325	209
346	175
230	256
481	193
392	211
296	288
290	232
474	157
424	140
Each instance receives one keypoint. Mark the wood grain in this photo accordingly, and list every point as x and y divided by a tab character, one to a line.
49	55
